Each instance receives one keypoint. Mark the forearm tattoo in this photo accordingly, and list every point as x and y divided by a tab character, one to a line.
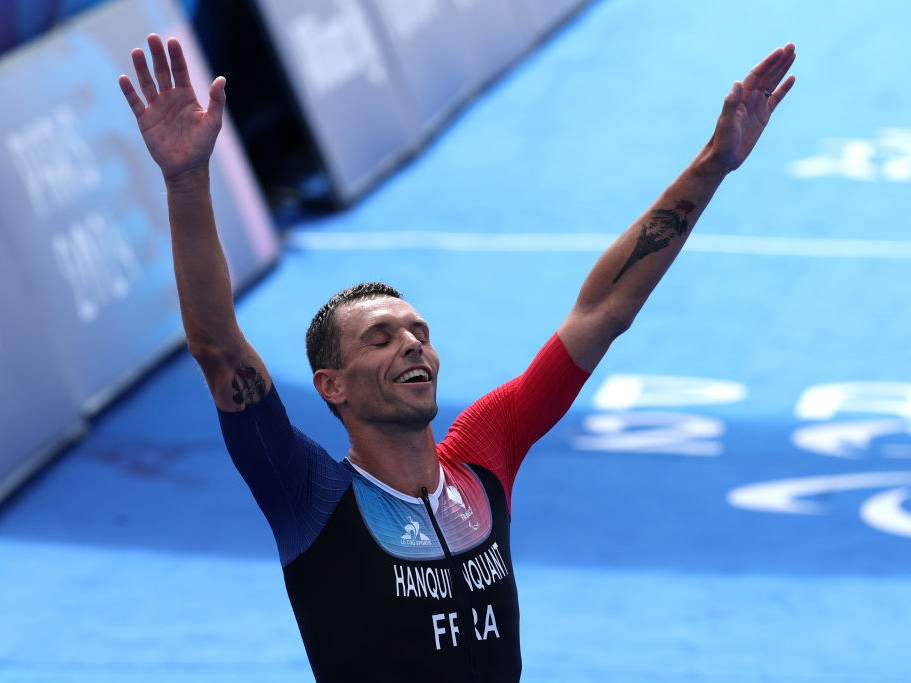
249	386
663	226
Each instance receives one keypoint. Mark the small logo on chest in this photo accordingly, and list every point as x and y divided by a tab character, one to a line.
467	513
413	534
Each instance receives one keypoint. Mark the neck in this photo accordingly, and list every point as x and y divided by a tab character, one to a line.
405	460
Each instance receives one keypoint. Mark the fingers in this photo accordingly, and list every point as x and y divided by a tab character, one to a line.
160	63
146	84
178	64
768	73
776	97
133	99
773	78
759	71
217	99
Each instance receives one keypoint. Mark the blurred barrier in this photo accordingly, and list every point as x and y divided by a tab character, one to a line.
543	15
22	20
84	220
36	413
422	41
351	96
492	37
374	79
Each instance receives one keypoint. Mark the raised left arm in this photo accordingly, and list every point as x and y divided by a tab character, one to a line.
625	275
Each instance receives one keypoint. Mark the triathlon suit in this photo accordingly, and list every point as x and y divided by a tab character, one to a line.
388	587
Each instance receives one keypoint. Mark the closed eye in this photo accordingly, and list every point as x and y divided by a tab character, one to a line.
421	332
377	337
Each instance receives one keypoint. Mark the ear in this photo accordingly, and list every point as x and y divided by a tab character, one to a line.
328	383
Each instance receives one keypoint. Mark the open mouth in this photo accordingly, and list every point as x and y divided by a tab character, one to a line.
413	376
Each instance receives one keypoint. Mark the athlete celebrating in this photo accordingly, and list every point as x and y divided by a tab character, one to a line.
397	559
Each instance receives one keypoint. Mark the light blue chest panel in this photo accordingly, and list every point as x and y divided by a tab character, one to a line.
404	529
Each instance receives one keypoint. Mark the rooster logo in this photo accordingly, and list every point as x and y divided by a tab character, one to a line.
413	531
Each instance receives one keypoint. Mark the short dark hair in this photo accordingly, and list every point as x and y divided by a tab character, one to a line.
323	339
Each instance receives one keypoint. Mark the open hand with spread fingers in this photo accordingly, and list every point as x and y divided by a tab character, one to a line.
748	106
179	133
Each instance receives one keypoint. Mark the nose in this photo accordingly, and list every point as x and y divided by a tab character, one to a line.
412	345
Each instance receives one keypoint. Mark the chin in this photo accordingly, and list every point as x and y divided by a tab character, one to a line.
421	416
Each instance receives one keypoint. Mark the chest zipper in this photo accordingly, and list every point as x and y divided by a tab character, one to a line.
465	609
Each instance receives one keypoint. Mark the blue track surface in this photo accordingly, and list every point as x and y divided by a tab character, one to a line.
654	534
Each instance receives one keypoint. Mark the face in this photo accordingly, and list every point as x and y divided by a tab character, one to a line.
389	368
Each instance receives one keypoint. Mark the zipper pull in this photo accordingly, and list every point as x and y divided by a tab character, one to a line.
425	498
433	520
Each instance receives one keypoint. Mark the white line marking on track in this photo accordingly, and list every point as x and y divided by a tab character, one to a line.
593	242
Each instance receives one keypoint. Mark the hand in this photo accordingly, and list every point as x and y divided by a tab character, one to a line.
180	135
748	106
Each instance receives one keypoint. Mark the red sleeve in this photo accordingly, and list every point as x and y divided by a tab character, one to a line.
497	430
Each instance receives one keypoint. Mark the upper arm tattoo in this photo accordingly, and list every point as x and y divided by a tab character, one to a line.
249	386
663	225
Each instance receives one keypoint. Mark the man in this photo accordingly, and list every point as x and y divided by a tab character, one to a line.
397	560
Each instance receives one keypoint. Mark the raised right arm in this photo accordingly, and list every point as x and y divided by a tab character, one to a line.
180	136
